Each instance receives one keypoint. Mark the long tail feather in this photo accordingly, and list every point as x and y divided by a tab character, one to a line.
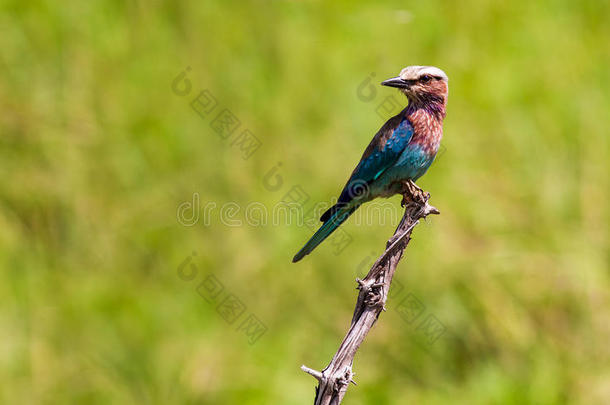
337	218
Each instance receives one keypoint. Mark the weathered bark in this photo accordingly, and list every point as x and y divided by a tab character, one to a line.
335	378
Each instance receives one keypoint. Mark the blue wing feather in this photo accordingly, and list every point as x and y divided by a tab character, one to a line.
382	153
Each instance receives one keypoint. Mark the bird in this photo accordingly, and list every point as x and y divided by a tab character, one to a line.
400	152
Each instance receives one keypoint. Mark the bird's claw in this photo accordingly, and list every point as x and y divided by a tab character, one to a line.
411	193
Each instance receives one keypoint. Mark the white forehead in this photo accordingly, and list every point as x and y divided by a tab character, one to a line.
415	72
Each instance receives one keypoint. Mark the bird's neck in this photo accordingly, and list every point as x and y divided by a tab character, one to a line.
427	116
431	105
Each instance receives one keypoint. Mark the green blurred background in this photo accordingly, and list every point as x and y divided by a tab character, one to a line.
98	153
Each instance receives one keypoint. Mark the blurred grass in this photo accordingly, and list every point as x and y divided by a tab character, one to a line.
97	153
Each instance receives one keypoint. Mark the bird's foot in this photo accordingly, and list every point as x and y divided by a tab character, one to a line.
412	194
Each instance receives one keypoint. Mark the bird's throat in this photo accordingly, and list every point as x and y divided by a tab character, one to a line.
430	104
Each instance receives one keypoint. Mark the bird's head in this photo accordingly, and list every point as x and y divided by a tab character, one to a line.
421	84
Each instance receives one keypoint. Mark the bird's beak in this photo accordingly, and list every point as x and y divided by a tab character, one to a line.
396	82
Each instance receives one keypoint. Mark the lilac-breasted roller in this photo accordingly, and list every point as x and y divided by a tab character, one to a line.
401	151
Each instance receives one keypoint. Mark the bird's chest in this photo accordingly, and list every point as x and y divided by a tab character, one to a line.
421	150
428	132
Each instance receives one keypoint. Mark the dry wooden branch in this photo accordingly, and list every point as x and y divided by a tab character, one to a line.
335	378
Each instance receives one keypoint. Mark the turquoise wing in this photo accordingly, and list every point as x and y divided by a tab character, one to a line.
382	153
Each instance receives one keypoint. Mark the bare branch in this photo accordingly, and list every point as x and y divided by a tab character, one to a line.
373	293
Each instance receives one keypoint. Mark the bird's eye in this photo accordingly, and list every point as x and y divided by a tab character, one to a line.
425	78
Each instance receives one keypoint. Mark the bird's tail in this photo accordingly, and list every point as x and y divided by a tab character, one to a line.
339	216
